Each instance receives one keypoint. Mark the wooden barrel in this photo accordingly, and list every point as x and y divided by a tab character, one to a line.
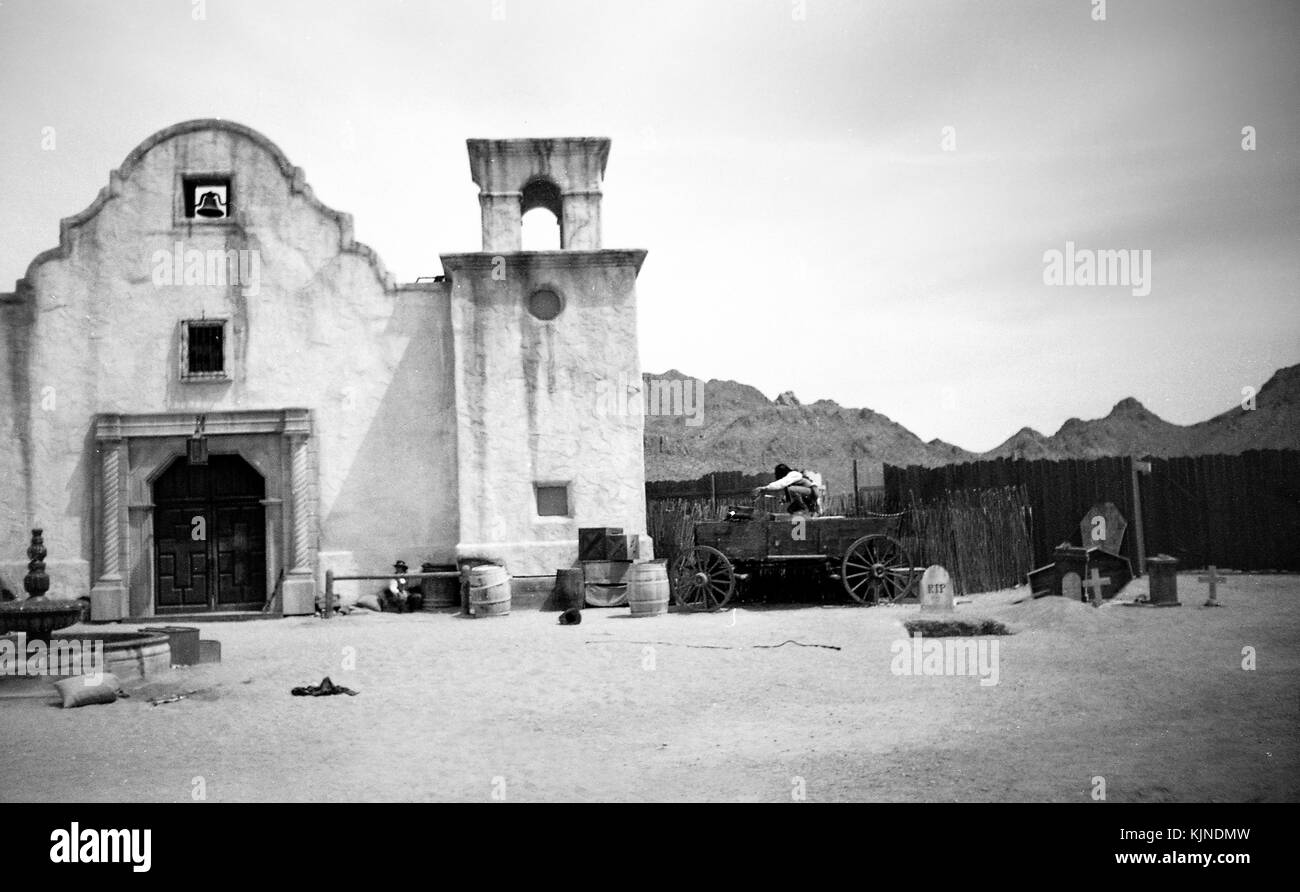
569	589
489	591
439	592
647	588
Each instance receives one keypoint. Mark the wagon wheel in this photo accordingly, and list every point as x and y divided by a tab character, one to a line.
703	579
876	568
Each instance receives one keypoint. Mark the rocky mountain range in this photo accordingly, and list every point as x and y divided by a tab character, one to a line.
734	427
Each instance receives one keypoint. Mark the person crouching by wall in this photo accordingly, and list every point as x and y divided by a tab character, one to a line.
397	597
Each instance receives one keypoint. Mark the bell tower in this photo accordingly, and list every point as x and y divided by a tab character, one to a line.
562	175
547	377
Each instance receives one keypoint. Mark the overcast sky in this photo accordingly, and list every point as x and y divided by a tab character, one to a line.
784	164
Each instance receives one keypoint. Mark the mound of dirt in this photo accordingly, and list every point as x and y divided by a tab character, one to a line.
1058	614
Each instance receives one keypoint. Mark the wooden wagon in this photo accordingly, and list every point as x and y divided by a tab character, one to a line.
863	553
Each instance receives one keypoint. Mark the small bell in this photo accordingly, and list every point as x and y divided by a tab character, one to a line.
210	205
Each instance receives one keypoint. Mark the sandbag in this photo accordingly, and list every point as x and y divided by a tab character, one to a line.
76	692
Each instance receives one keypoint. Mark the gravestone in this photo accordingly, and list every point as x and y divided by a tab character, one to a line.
1072	587
1103	527
1162	573
936	590
1095	585
1213	579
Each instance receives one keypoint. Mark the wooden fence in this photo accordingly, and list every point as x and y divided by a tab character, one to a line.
1232	511
981	537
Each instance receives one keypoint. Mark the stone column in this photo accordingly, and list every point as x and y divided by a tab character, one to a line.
139	582
581	224
112	478
298	593
299	485
503	221
274	526
108	598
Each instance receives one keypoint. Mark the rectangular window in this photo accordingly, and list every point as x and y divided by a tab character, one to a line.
552	500
206	198
203	350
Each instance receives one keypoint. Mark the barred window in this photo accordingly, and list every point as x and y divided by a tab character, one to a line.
203	349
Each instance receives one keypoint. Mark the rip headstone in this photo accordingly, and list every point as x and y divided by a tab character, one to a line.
1071	586
936	590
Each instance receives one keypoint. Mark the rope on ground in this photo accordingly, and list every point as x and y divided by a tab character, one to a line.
174	698
712	646
800	643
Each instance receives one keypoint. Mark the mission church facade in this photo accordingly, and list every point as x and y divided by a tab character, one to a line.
209	387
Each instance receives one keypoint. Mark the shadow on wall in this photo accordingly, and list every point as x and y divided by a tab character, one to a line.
80	485
399	499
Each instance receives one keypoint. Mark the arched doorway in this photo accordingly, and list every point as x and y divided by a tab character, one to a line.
210	536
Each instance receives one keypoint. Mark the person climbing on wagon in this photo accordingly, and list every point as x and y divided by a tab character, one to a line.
802	489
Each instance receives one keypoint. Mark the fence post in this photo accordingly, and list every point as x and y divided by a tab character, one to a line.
1139	534
857	512
329	594
713	492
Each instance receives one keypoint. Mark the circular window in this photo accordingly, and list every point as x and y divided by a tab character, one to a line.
545	304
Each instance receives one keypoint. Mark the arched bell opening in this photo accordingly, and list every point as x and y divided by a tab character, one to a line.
542	212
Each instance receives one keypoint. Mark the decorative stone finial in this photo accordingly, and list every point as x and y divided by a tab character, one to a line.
37	581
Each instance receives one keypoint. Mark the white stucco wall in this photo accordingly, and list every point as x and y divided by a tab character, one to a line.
530	401
326	330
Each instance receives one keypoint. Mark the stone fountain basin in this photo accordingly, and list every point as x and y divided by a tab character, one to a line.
128	655
37	618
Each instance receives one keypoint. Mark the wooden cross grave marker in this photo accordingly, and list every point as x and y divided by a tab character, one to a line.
1213	578
1094	584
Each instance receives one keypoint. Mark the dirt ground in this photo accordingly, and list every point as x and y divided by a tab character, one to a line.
689	707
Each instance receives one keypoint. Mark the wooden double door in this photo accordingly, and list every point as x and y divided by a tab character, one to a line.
210	536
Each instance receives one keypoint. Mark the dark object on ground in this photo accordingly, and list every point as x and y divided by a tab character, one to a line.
325	689
571	617
954	628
